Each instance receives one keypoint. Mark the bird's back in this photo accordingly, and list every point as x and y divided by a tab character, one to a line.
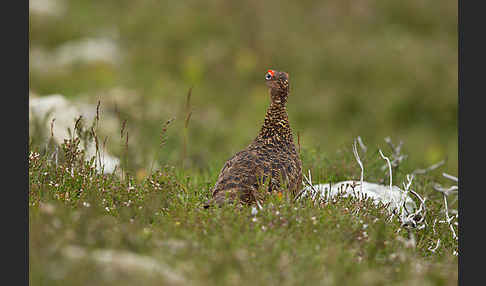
263	166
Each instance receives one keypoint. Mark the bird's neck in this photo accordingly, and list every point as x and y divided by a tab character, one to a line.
276	124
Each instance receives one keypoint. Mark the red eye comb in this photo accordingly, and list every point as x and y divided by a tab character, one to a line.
272	72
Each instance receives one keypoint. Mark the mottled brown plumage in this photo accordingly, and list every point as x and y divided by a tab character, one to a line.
270	162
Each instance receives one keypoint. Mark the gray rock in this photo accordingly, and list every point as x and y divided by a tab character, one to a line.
65	113
114	262
395	197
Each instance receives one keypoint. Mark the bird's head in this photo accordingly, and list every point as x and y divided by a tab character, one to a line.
278	82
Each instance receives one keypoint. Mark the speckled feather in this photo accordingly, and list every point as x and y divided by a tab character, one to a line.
270	162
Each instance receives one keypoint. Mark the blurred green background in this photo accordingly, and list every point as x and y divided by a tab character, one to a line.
357	68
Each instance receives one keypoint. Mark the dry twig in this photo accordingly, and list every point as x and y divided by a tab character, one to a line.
426	170
356	155
396	155
361	144
389	168
435	248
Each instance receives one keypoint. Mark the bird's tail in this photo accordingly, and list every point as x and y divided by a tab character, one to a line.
222	197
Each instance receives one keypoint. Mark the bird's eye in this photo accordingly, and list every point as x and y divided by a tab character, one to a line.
268	76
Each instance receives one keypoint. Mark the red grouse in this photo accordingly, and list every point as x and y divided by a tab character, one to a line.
271	162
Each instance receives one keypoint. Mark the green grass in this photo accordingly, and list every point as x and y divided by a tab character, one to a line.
342	242
368	68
